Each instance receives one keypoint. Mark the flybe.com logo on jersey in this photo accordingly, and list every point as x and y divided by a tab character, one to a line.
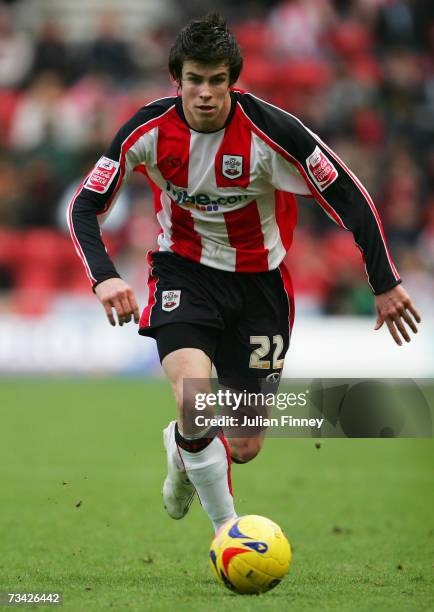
201	201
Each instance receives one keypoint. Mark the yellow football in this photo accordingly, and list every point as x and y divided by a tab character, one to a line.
250	554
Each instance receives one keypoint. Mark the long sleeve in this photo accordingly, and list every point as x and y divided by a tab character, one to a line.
336	189
98	191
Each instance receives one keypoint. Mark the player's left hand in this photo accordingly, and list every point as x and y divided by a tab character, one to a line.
395	308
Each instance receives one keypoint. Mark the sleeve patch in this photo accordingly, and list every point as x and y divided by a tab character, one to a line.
321	170
102	175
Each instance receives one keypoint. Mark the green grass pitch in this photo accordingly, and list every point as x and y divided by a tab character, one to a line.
81	469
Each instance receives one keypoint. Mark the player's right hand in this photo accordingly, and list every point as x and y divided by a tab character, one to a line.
114	293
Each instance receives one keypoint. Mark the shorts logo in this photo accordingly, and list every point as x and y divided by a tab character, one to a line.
321	169
102	175
170	300
273	377
232	166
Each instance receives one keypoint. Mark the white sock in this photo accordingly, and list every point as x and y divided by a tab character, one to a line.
209	472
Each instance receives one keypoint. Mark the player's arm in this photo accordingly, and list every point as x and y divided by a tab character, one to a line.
94	198
345	200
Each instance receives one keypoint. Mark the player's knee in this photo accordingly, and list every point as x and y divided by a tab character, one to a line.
245	449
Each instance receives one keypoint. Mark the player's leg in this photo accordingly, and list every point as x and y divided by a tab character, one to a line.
182	314
201	457
251	356
246	443
187	369
244	450
178	491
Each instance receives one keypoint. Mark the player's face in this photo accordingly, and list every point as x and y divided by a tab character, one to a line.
205	95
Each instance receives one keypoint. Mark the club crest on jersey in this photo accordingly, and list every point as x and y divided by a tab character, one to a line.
170	300
321	170
232	166
102	175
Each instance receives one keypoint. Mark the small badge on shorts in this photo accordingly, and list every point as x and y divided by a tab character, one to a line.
170	300
232	166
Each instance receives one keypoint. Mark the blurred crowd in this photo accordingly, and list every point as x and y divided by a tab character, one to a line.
360	73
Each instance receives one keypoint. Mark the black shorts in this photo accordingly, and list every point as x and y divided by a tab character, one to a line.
241	320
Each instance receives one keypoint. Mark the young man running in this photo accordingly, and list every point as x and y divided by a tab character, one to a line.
224	167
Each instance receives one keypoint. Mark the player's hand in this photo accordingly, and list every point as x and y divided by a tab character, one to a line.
395	308
114	293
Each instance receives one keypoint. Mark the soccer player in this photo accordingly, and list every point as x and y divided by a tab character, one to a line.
224	167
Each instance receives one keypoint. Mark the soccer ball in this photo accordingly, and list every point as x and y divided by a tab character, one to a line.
250	554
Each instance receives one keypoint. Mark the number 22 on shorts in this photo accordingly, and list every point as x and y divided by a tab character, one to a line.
263	349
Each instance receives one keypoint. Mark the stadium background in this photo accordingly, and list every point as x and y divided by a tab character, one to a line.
359	73
81	460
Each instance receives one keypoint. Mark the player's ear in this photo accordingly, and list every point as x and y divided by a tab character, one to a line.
176	79
176	83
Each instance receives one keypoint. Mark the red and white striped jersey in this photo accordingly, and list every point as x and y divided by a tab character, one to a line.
226	199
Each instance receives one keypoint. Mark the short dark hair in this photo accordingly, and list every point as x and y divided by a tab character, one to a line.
208	41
